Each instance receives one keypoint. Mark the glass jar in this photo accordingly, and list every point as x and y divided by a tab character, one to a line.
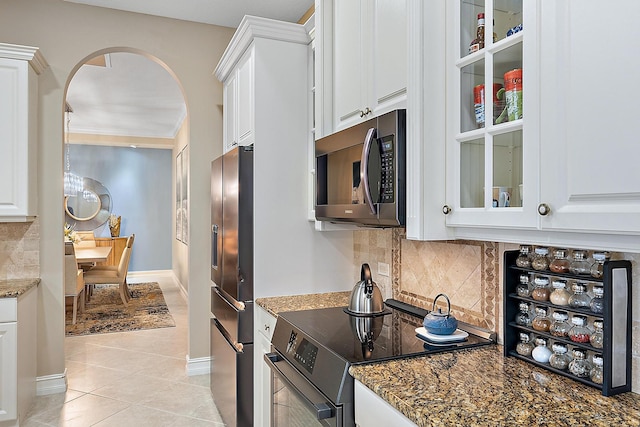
523	289
597	337
580	265
597	268
524	258
596	373
580	332
580	298
580	366
560	262
541	352
523	318
597	302
541	322
560	327
559	359
541	291
560	294
540	260
525	346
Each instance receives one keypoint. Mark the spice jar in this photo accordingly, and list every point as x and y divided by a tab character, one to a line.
541	321
523	318
579	299
596	373
597	268
579	332
597	337
559	359
597	302
560	327
560	262
524	258
523	289
541	291
540	259
580	265
580	366
560	294
541	353
525	346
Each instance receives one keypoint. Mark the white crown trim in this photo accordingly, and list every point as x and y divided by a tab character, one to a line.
25	53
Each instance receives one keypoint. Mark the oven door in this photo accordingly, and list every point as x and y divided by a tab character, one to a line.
295	401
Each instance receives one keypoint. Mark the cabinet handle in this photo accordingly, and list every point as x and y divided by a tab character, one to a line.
446	209
544	209
266	328
367	111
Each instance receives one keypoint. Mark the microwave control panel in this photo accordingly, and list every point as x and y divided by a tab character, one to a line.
387	161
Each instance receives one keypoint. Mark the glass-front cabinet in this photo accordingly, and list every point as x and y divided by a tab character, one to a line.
492	160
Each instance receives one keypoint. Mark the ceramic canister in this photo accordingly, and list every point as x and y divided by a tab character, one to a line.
513	93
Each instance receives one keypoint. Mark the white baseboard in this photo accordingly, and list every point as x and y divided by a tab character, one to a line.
134	274
198	366
51	384
180	286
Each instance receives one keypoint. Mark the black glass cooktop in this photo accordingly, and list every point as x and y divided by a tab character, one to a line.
358	339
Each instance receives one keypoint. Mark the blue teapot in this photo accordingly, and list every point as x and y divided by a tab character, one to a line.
439	323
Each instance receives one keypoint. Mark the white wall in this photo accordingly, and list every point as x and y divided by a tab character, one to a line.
67	34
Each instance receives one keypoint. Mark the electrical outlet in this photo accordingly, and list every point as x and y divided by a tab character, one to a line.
383	269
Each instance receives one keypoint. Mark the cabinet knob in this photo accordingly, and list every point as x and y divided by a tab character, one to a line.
446	209
367	111
266	327
544	209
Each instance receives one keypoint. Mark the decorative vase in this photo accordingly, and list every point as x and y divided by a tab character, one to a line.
114	227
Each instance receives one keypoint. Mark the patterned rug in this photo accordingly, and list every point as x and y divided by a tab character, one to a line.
106	313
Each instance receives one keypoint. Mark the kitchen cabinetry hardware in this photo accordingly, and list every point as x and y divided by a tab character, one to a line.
365	112
616	349
446	209
544	209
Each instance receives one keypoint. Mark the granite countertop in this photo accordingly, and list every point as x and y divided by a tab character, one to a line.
15	287
275	305
481	387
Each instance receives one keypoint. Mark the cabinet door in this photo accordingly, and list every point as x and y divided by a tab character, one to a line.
18	163
388	65
350	70
245	99
230	94
372	410
589	141
264	324
8	369
492	173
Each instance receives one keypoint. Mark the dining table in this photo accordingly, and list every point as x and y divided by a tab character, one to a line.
92	254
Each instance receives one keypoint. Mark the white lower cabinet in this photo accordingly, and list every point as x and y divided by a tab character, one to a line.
373	411
263	330
17	356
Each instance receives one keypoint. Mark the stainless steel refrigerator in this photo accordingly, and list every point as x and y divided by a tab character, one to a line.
232	291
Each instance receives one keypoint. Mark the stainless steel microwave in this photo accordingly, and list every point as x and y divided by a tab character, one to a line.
360	173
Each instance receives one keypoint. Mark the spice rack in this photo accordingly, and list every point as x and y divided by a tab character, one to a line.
616	351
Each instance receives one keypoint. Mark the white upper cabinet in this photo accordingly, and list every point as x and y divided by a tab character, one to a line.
362	60
19	69
590	149
238	103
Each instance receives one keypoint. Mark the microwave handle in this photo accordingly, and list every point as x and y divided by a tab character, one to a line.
364	168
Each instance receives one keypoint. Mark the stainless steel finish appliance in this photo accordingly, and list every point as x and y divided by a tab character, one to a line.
232	290
313	349
360	173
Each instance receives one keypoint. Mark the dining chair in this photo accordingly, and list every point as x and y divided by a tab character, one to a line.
87	239
73	280
112	275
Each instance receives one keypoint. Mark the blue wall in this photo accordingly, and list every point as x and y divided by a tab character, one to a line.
139	180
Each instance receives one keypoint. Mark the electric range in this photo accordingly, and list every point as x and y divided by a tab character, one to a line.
315	348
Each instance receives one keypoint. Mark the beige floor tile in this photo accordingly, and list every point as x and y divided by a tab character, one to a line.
131	379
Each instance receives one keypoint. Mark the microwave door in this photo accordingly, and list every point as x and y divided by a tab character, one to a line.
371	170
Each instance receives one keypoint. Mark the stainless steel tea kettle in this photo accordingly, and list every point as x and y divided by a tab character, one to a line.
366	298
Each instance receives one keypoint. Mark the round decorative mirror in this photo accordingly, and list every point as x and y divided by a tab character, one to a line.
89	208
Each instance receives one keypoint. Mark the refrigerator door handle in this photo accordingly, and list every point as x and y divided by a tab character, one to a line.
237	347
237	305
214	246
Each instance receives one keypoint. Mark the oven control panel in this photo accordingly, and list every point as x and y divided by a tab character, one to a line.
303	352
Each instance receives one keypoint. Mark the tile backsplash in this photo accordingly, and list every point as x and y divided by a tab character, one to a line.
19	250
469	273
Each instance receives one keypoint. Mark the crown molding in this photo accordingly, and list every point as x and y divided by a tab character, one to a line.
25	53
252	27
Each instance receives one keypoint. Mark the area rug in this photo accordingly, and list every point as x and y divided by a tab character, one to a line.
106	313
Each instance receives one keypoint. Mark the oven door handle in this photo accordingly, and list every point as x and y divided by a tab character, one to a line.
321	409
